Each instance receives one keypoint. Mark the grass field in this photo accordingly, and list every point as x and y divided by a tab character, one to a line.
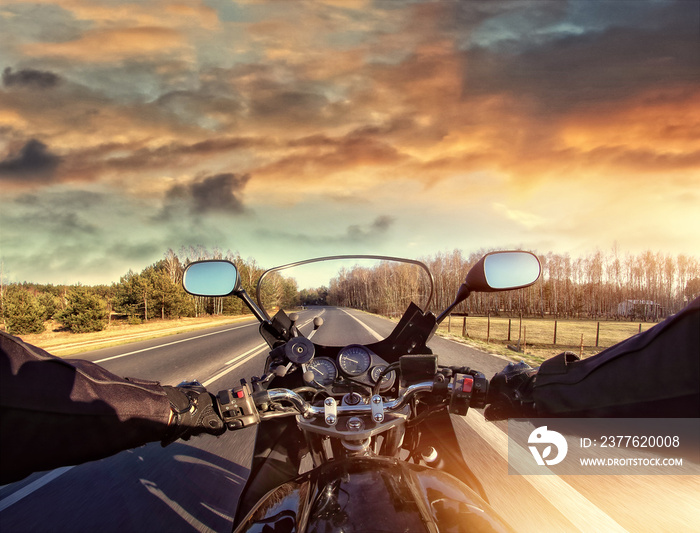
537	335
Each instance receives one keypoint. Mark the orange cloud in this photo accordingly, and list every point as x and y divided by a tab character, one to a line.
664	121
112	45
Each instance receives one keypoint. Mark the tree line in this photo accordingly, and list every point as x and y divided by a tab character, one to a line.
154	293
646	286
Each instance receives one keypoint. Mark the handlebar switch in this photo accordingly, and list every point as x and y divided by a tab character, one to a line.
237	407
479	390
461	394
468	390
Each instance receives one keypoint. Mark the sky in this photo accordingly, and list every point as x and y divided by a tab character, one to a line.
284	130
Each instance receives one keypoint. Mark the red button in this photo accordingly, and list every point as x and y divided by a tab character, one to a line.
239	394
468	382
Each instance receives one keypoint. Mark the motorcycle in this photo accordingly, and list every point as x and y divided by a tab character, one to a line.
373	418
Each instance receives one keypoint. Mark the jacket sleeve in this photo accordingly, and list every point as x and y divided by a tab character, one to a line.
653	374
56	412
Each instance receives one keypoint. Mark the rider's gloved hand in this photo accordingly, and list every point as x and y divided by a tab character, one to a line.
510	393
194	410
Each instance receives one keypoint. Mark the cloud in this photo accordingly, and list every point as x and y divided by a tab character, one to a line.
612	50
31	78
218	193
34	162
319	156
353	234
112	45
380	225
528	220
434	105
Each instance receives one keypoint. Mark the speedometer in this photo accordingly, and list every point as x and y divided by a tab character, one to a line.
324	371
354	360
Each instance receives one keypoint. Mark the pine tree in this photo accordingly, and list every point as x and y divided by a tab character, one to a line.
22	312
85	312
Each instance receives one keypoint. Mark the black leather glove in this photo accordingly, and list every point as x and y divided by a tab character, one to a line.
195	412
510	393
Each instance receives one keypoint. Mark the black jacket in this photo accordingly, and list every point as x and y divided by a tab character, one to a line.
56	412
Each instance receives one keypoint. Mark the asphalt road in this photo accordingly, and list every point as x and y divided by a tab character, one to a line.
194	485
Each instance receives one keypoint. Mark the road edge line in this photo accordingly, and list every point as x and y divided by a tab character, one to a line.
574	506
32	487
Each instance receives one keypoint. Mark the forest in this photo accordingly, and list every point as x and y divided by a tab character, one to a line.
647	286
154	293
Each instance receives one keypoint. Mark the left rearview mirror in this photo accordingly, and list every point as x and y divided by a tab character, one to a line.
211	278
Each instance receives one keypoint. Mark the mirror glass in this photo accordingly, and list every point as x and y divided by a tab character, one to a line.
211	278
507	270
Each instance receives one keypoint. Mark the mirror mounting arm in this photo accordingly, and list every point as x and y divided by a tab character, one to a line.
248	301
462	294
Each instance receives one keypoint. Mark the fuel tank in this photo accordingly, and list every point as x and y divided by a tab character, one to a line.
378	494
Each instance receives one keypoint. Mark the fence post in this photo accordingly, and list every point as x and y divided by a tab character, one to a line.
640	327
520	328
449	322
555	333
524	339
464	327
580	353
597	334
509	330
488	327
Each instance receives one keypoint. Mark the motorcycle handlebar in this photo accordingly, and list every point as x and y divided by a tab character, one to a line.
307	410
241	407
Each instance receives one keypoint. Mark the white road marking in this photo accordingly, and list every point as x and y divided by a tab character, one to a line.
32	487
238	362
371	331
176	507
171	343
577	509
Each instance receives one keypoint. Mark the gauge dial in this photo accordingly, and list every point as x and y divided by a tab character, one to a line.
354	360
324	371
387	380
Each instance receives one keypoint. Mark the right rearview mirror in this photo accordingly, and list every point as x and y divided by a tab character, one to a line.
503	271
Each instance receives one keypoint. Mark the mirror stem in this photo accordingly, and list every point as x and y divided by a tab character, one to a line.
262	318
462	294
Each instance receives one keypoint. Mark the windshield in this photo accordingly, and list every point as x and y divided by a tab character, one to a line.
346	292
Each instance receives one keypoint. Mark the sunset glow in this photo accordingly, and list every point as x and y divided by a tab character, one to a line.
286	130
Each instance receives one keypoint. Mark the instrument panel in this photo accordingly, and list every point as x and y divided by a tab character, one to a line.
354	361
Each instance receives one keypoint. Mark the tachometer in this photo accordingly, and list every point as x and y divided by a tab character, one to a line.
324	371
354	360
